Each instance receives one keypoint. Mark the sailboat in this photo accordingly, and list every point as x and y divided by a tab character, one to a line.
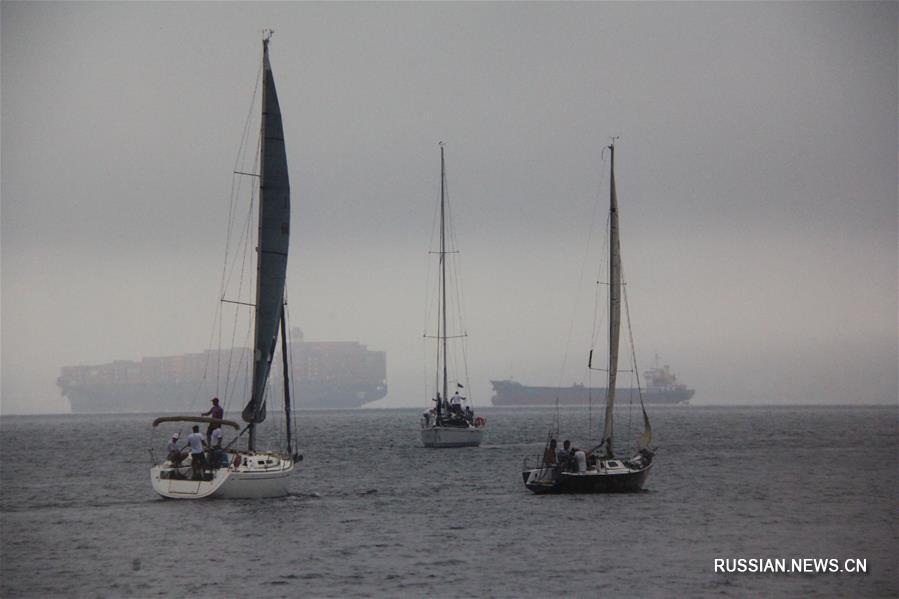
249	473
599	470
447	424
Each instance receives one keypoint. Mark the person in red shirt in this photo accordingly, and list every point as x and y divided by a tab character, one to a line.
216	412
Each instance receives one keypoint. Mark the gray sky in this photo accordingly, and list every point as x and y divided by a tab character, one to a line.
757	175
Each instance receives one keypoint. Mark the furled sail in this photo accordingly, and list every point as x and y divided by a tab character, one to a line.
614	308
646	436
274	234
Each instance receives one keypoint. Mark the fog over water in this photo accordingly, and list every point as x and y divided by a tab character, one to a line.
756	172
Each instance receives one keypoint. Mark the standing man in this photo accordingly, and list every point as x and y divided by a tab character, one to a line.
215	450
456	403
197	457
216	412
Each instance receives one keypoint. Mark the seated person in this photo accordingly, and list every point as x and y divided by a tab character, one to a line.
174	456
549	454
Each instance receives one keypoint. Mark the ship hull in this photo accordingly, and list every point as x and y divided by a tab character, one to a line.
508	393
552	480
451	436
233	482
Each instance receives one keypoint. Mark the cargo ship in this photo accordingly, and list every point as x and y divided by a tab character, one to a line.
325	374
661	388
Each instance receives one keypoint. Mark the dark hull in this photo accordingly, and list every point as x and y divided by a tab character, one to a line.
509	393
177	397
568	482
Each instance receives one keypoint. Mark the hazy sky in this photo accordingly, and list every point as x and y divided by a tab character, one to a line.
757	175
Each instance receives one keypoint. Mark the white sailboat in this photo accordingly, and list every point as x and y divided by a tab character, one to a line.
599	470
248	473
447	424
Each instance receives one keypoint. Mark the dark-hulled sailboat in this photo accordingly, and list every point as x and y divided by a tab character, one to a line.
599	470
250	473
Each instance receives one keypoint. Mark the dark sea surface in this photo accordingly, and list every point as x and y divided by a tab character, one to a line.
372	513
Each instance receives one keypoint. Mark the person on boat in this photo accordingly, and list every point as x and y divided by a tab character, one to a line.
197	456
174	456
549	454
215	450
216	412
564	454
469	414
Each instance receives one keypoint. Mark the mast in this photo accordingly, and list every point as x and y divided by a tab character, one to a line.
614	306
251	438
284	369
443	260
441	317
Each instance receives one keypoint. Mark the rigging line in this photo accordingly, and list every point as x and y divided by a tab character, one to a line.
436	285
243	250
597	320
630	333
460	312
235	193
580	282
236	181
293	407
456	272
246	231
231	211
245	237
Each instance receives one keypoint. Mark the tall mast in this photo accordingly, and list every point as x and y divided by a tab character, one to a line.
285	370
251	437
614	305
443	261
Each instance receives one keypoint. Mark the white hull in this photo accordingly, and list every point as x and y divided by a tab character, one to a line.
258	476
451	436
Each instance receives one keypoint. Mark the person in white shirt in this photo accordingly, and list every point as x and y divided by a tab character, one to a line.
197	458
456	403
215	451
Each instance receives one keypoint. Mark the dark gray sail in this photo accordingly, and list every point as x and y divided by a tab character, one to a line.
274	234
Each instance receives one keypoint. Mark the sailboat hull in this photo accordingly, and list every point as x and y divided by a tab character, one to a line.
554	480
451	436
248	481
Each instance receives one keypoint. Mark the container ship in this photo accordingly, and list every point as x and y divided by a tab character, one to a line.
325	374
661	388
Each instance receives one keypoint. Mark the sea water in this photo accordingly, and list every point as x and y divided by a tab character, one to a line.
372	513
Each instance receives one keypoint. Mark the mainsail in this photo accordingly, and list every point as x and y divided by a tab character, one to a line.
614	307
274	234
615	288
